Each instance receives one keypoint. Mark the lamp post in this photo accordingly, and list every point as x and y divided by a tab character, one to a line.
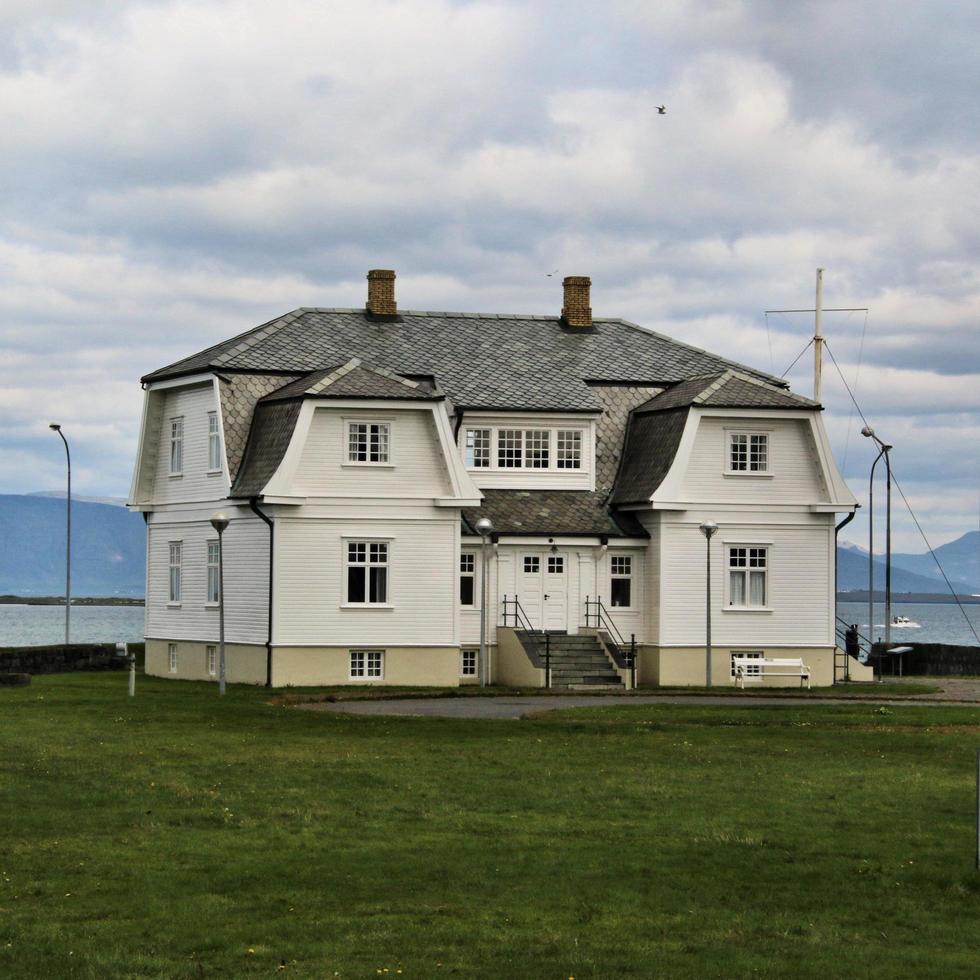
708	528
219	522
484	527
883	450
56	427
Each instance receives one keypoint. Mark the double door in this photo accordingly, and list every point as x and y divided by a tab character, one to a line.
542	585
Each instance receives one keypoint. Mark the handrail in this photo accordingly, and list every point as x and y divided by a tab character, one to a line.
868	642
598	617
521	622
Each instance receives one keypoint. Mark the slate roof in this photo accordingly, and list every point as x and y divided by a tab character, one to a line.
569	512
651	443
479	361
353	380
728	389
268	438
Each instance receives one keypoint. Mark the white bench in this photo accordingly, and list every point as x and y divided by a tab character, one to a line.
757	668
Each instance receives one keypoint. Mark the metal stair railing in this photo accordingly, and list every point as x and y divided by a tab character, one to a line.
516	618
597	617
842	629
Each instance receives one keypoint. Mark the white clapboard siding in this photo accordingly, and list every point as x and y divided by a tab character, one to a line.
418	467
422	584
246	577
652	562
795	474
799	587
195	483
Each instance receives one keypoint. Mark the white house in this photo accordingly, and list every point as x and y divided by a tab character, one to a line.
355	450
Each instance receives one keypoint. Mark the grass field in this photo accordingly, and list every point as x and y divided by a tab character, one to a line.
182	836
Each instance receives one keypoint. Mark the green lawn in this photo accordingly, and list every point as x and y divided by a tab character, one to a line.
182	836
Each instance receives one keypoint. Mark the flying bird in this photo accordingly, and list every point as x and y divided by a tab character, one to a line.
550	274
662	110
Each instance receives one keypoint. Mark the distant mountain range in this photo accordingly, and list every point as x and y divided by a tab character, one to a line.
960	560
109	553
108	547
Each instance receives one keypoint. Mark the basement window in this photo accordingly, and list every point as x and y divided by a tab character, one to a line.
367	664
467	667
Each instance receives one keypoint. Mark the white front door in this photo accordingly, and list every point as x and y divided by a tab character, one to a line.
542	579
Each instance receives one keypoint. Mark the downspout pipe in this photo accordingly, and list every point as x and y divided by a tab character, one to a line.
254	507
847	520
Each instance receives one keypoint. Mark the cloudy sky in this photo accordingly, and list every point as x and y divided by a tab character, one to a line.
176	172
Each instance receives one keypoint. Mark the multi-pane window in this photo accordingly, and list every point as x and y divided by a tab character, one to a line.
467	579
478	448
750	669
175	555
367	442
532	564
510	452
621	581
748	452
367	572
569	449
747	571
212	658
467	667
556	565
214	571
368	664
214	442
536	449
176	446
172	657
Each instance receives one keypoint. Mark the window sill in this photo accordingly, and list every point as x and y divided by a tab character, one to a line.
349	465
174	605
215	472
212	605
748	609
749	474
175	476
366	605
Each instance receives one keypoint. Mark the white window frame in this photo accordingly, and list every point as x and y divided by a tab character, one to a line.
523	455
214	444
175	574
382	424
747	606
470	435
751	654
176	446
172	658
748	434
213	547
630	576
367	565
362	662
470	574
211	659
469	660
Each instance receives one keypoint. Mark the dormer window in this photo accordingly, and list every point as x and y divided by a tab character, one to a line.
478	448
368	442
569	449
176	446
748	452
542	449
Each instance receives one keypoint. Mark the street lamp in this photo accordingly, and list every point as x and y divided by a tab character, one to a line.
219	522
55	427
883	450
484	527
708	528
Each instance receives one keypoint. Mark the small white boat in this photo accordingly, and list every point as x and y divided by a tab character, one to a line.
903	622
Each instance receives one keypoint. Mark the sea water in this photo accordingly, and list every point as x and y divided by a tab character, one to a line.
24	626
939	622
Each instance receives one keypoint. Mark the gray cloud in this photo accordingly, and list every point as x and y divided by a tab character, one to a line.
177	172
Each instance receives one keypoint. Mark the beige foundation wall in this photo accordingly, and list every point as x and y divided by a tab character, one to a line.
403	666
244	664
685	666
510	664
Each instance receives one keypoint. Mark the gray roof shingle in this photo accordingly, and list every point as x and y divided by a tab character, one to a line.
727	389
652	439
268	439
480	361
353	380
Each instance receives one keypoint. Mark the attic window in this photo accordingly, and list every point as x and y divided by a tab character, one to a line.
368	442
748	452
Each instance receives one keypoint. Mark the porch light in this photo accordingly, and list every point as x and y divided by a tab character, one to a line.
484	527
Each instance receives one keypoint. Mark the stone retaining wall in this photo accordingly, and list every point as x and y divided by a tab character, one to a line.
934	659
61	659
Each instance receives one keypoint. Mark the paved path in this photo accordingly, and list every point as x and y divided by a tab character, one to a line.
505	707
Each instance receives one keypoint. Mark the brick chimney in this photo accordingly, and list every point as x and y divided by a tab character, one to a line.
381	293
576	314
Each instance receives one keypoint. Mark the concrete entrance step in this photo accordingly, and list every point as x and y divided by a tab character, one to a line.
617	686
